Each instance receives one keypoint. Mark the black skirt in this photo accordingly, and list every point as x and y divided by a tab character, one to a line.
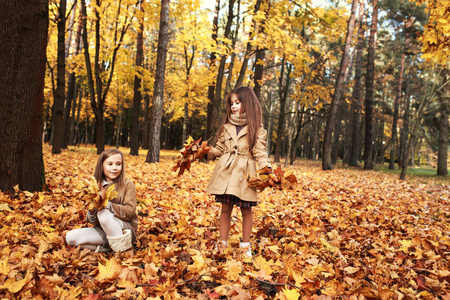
233	200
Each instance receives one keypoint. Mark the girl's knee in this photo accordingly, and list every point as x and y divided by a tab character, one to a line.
246	211
226	209
104	216
71	239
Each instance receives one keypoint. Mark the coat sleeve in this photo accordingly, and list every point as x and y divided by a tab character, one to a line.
259	150
218	150
127	210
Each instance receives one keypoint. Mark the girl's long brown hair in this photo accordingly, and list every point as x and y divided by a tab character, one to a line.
251	106
98	174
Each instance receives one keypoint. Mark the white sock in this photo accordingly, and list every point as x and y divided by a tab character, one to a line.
247	245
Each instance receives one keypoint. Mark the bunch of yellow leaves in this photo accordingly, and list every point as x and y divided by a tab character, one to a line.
192	151
93	194
278	179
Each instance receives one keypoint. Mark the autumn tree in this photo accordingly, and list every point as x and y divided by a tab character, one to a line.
23	41
370	77
134	140
99	80
158	95
356	99
327	140
58	105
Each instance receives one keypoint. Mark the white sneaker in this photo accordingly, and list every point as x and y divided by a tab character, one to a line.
222	244
248	250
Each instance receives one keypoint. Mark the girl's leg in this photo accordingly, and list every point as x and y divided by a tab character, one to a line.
225	220
110	224
87	238
247	223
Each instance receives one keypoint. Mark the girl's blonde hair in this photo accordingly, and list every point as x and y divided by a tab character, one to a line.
98	174
249	105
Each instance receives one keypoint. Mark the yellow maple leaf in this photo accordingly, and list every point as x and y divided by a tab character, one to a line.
15	286
189	140
108	272
291	294
4	267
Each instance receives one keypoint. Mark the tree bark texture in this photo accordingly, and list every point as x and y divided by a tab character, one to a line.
134	140
211	111
368	146
356	104
72	87
158	96
283	91
247	54
327	140
443	134
398	96
60	80
23	41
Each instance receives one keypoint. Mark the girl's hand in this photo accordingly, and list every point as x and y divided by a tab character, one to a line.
102	193
273	176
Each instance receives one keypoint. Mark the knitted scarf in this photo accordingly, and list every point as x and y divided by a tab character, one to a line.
238	120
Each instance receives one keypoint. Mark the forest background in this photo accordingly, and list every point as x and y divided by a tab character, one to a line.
345	82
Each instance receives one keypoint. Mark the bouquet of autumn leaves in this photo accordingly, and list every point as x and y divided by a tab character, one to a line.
95	196
278	179
191	151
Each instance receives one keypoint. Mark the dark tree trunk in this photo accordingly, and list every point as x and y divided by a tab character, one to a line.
406	120
443	135
145	133
283	91
60	80
368	146
248	50
23	41
158	96
71	96
356	105
134	140
398	96
327	140
212	110
98	95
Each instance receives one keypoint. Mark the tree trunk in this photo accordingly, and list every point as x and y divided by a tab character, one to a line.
72	91
212	111
406	119
443	134
145	133
158	96
283	91
394	137
248	50
134	140
217	102
60	80
368	146
356	96
327	140
23	41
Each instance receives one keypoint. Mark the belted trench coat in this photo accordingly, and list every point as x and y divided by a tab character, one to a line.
236	162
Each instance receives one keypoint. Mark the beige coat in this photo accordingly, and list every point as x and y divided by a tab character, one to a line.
125	208
236	162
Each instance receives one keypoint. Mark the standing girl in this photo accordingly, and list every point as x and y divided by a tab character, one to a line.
241	144
114	226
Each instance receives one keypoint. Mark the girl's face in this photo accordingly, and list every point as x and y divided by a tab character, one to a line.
112	167
235	105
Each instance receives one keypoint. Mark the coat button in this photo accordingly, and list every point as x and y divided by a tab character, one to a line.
235	147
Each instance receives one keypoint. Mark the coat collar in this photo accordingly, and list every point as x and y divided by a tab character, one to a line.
232	131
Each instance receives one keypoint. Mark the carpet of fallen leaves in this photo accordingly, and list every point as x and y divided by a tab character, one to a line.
341	234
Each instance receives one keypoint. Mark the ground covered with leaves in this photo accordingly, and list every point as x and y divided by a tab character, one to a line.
341	234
